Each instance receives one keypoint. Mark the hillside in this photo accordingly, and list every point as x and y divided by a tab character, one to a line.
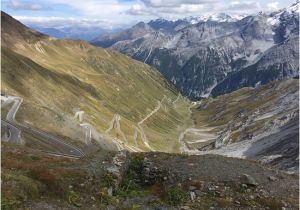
256	123
125	102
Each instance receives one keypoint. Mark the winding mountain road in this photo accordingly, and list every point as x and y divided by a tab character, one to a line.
62	148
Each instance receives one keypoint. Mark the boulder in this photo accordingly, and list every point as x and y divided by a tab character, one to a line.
248	180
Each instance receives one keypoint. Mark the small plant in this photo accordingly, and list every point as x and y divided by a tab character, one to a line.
136	164
224	202
73	198
104	197
130	185
135	207
176	195
8	204
107	181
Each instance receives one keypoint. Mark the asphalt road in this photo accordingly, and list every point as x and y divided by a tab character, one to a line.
60	146
14	134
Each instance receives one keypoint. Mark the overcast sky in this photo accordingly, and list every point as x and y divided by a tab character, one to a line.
115	13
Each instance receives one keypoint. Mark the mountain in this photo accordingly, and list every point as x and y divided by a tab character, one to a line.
259	123
125	103
216	54
218	17
74	32
103	131
136	31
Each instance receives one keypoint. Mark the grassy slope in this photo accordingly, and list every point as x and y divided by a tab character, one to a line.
56	78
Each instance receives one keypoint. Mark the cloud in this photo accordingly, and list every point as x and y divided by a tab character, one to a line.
244	6
61	22
273	6
174	3
115	13
19	5
96	8
166	10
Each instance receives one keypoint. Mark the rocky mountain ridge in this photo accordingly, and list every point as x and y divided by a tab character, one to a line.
205	57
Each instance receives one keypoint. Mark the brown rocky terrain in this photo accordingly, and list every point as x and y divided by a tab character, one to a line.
122	180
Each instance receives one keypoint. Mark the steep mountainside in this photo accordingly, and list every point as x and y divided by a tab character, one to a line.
208	53
68	84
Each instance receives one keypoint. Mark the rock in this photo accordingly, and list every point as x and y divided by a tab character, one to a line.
284	203
192	196
199	193
263	192
151	173
185	208
110	191
272	178
248	180
251	197
237	202
192	188
118	167
218	193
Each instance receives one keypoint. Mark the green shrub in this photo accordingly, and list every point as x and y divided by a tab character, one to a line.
107	181
8	204
176	195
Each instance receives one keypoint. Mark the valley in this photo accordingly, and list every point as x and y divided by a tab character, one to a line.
193	113
117	95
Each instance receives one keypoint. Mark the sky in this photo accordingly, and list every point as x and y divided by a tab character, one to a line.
120	13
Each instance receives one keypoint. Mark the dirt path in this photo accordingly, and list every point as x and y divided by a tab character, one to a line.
192	135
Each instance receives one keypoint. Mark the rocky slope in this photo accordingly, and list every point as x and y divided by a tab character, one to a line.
257	123
109	180
71	89
215	53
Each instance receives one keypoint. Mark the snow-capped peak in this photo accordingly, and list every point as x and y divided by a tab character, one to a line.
219	17
291	10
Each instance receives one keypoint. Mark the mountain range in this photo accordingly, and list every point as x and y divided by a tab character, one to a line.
73	32
86	127
217	54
